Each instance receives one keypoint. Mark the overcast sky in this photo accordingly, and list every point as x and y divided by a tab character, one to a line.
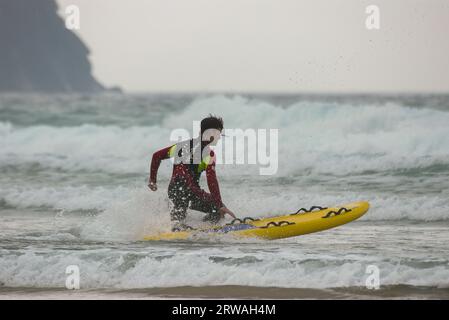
267	45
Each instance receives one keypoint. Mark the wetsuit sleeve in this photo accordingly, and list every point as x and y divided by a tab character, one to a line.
212	183
158	156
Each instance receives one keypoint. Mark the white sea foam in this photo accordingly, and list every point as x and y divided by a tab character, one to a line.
138	205
205	267
141	213
320	137
69	198
321	146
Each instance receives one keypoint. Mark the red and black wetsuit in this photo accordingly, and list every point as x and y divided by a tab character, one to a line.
184	190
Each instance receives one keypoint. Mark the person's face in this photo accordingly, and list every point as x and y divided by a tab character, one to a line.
212	136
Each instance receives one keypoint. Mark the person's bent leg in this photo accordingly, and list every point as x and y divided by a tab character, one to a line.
180	203
212	216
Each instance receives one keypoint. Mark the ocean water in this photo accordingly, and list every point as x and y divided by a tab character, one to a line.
73	192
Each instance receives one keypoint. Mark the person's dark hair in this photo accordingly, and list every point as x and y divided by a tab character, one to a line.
211	122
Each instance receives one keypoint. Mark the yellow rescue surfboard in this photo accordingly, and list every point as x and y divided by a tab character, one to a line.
291	225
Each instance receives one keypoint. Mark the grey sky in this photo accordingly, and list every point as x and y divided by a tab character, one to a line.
267	45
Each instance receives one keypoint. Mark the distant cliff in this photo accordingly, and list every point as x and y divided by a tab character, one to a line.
37	52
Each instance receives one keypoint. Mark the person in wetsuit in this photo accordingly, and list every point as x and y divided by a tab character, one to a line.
191	159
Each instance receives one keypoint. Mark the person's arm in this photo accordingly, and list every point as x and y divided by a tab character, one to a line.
214	188
158	156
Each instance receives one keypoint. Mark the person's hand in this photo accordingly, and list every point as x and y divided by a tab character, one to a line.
223	211
152	186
